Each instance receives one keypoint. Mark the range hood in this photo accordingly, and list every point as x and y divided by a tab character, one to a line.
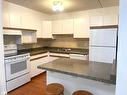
12	32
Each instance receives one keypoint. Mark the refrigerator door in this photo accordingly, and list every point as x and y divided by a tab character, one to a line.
103	37
102	54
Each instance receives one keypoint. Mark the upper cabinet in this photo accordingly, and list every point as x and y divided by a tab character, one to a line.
19	17
64	26
96	20
81	27
28	22
67	26
15	21
6	18
39	28
110	19
11	20
47	29
104	20
56	26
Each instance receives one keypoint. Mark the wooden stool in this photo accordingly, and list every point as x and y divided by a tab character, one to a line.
55	89
82	92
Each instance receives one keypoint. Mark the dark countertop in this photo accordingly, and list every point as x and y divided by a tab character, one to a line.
34	51
81	68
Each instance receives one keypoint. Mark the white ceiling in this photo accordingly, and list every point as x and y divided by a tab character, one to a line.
45	6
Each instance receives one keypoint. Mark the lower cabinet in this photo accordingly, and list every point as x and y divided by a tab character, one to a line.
37	60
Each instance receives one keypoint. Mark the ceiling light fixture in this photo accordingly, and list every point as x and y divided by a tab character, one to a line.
57	6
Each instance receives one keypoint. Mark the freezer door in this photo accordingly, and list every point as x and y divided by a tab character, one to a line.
102	54
103	37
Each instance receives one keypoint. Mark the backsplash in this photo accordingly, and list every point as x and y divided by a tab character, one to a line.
40	43
66	41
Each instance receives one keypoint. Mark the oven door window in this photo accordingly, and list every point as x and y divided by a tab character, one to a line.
17	67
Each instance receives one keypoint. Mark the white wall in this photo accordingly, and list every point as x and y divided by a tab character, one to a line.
121	87
2	70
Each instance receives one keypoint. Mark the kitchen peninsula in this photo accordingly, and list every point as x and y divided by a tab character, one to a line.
79	74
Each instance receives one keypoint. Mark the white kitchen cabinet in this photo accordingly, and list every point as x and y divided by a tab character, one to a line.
37	60
102	54
47	29
15	21
63	26
81	27
41	59
96	21
39	28
5	18
110	19
11	20
104	20
78	56
67	26
56	26
59	55
28	22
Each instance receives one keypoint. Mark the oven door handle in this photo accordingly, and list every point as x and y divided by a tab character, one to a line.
17	61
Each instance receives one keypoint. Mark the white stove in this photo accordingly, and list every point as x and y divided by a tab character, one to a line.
17	67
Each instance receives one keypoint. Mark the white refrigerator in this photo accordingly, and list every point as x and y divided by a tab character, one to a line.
102	45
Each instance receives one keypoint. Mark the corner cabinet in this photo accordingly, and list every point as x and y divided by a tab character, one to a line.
81	27
64	26
47	29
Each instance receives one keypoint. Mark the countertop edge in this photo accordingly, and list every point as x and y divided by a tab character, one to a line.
78	75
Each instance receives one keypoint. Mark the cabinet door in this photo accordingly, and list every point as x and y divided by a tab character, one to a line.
81	27
5	18
67	26
34	70
46	29
28	22
38	27
102	54
110	20
96	20
15	20
56	27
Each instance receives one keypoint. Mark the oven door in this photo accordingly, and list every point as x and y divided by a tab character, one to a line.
16	69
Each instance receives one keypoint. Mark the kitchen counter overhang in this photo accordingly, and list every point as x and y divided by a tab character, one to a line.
81	68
